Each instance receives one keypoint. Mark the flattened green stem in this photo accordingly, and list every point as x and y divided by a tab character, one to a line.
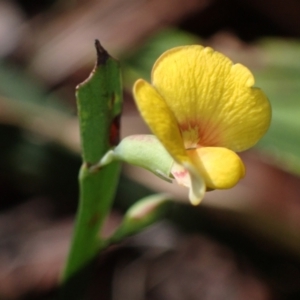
99	101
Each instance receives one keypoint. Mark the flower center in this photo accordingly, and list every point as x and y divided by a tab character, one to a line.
191	138
196	134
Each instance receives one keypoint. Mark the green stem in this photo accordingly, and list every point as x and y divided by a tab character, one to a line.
85	244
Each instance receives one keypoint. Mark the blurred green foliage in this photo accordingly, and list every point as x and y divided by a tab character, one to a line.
30	163
19	85
280	79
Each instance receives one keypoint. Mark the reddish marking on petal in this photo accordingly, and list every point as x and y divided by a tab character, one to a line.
180	174
208	133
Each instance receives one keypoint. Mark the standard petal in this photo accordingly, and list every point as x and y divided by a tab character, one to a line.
221	168
212	99
160	119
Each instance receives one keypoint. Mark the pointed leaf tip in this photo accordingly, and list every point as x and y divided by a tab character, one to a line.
102	55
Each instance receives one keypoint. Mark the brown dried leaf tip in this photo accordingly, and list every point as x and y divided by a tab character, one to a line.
102	55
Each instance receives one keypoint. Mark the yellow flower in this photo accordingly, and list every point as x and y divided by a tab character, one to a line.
203	109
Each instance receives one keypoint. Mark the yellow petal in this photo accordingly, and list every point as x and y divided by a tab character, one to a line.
211	98
160	119
221	168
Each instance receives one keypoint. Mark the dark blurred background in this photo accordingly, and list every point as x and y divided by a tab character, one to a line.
243	243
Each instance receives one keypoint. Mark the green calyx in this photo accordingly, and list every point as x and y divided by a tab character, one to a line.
144	151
